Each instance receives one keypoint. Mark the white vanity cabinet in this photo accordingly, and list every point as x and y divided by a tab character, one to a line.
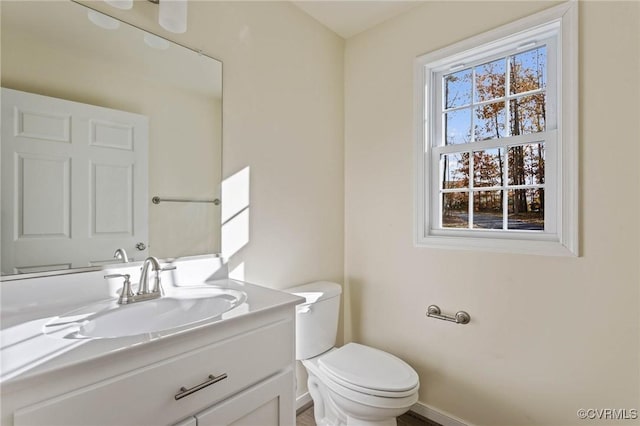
240	372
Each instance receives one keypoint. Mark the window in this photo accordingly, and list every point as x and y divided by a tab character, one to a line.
497	126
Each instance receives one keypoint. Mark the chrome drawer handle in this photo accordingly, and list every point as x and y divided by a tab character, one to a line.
211	380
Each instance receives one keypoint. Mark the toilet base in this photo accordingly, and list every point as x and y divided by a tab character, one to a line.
358	422
333	409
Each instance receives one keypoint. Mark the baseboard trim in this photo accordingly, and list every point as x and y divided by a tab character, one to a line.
438	416
303	402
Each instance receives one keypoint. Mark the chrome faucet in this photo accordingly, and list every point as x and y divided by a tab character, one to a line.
154	264
121	254
127	296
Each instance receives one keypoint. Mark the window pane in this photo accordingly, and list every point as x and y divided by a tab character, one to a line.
526	164
528	70
490	80
526	209
458	126
487	209
455	210
455	170
487	167
489	121
527	114
457	89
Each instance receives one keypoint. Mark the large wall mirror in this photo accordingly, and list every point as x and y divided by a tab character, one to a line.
98	118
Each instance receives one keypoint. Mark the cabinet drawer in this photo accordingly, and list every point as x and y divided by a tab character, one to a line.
147	396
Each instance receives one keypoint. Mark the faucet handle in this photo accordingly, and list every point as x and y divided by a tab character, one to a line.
125	276
157	287
126	295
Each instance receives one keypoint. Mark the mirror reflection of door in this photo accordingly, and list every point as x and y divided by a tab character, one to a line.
51	221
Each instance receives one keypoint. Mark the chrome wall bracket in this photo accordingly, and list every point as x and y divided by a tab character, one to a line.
461	317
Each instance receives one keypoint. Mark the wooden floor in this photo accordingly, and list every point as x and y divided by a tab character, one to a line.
305	418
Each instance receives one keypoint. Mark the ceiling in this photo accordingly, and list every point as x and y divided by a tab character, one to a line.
350	17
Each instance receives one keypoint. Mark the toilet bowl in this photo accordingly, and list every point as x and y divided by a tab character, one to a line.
354	384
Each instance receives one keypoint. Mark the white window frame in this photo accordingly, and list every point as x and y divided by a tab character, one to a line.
557	28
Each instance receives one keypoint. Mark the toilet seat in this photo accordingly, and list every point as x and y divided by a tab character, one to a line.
365	396
369	371
373	400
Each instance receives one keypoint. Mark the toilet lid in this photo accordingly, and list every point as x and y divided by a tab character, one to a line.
370	370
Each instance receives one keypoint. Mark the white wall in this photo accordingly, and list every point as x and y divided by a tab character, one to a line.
548	335
283	118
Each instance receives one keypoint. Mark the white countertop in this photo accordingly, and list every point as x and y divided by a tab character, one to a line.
27	350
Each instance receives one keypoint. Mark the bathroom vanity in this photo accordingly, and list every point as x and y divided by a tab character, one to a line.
235	368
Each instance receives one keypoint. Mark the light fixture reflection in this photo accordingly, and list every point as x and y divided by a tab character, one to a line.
173	15
120	4
156	42
102	20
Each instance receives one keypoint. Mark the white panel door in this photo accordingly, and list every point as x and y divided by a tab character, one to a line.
74	183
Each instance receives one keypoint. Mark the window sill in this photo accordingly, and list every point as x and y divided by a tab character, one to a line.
497	245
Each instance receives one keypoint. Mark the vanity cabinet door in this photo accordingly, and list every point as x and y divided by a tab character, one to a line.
269	403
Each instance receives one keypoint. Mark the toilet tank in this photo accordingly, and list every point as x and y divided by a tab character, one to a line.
316	318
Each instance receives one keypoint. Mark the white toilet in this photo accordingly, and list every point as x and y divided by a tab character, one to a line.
353	384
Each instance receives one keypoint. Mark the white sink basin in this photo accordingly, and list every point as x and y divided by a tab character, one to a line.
180	309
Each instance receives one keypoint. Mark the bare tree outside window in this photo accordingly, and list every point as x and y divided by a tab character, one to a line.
479	106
